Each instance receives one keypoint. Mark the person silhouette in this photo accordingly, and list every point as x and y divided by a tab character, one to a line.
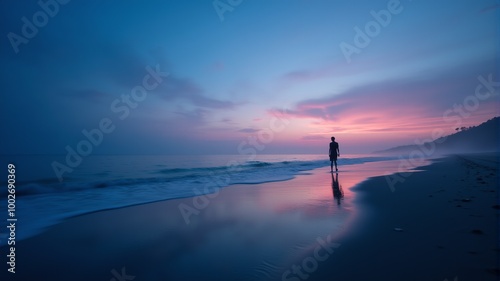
333	153
338	193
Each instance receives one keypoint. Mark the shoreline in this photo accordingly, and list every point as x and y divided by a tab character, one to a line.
37	218
246	222
260	231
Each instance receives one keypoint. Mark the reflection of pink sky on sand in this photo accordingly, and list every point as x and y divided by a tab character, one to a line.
289	215
313	193
308	196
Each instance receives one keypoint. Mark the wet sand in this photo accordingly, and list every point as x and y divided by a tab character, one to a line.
314	227
439	224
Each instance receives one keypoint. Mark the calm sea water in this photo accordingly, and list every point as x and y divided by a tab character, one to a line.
105	182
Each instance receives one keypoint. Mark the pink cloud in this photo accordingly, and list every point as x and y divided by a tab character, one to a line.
392	109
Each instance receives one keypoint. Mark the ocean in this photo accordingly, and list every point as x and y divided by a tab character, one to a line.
103	182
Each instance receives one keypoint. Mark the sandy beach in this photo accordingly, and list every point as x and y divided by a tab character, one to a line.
439	223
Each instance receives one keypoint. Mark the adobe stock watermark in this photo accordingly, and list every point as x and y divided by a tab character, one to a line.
363	37
39	19
249	147
121	107
121	276
456	115
310	264
223	6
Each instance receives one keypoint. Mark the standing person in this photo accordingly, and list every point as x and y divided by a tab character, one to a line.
334	152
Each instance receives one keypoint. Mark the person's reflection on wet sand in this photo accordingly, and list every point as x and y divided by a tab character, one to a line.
337	188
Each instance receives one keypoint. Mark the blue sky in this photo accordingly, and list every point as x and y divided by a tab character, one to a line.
230	77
